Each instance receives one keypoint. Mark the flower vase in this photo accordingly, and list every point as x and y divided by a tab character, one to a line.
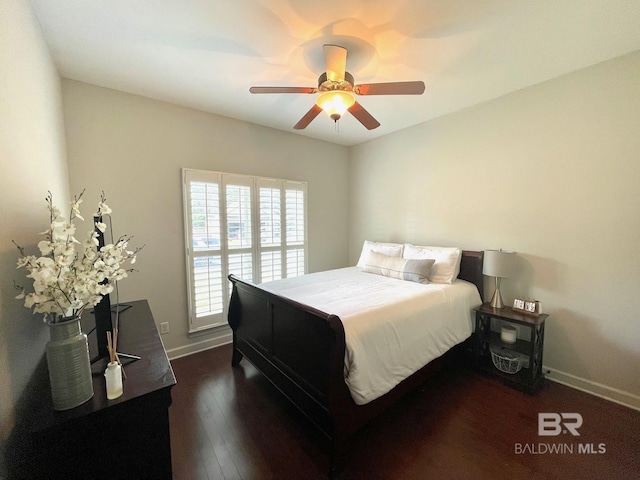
69	364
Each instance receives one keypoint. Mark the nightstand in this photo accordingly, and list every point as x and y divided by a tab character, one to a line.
530	378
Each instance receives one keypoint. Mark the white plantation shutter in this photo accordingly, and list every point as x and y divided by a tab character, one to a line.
282	243
207	278
270	235
295	262
204	254
294	214
252	227
295	226
238	201
270	247
271	266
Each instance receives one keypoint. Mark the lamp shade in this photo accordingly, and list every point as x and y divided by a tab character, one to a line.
335	103
499	263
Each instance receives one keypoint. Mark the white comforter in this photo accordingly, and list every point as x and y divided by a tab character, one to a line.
392	327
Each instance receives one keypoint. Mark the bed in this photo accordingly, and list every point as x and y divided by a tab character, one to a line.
302	350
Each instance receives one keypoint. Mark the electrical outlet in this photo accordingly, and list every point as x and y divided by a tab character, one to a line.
164	327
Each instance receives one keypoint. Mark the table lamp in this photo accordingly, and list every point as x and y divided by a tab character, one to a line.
499	264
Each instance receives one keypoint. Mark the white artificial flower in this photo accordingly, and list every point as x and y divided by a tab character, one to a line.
75	207
26	260
120	274
104	209
45	247
71	275
55	212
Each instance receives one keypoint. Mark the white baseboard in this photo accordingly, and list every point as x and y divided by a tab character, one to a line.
599	390
201	346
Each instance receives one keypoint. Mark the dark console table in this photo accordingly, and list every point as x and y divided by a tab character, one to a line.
126	438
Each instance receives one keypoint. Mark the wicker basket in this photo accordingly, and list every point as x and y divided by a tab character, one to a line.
506	361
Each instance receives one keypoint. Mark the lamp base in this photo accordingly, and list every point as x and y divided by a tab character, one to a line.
496	300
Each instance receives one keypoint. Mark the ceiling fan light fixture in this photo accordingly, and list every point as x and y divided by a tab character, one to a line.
335	103
336	88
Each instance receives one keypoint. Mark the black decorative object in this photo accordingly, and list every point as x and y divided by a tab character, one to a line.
102	310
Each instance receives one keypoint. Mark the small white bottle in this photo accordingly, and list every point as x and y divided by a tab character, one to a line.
113	375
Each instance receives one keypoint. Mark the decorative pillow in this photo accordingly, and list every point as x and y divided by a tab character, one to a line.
447	261
390	249
398	267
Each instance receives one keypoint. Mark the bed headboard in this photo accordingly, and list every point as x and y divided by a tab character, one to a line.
471	269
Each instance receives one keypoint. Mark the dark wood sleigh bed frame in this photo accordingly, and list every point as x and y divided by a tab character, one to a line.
301	350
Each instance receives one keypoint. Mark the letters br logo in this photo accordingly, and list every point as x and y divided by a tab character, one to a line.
553	424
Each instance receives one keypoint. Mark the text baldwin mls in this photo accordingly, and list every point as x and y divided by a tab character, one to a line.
559	448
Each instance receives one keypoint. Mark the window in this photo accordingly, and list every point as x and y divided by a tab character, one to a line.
252	227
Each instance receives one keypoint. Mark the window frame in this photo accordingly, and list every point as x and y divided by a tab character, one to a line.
224	250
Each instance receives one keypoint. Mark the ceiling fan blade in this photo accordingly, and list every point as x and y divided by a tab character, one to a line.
308	117
283	90
364	117
391	88
335	60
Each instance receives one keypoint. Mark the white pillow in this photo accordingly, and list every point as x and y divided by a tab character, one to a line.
389	249
398	267
447	266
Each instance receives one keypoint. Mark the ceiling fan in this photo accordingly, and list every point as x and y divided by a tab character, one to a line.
336	87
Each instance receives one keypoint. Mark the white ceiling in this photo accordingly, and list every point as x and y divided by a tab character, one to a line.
205	54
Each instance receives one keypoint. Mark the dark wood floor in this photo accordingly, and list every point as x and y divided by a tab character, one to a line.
230	423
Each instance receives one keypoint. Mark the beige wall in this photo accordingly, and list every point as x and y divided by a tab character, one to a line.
552	172
133	148
32	161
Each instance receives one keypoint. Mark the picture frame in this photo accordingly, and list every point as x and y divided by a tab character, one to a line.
530	307
526	306
518	304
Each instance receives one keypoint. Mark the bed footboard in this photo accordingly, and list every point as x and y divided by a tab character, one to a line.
298	348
